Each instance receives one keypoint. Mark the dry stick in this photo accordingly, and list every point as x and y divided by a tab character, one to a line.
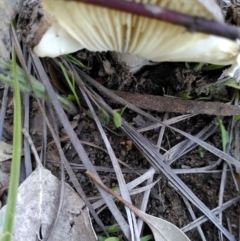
177	105
152	11
118	197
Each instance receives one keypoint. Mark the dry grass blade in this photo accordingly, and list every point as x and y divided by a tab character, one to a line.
144	153
26	119
187	145
111	95
80	150
157	160
145	200
208	147
121	181
159	123
162	230
194	218
3	109
216	211
73	177
130	185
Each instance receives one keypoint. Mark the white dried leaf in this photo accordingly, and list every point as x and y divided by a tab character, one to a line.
33	212
162	230
5	151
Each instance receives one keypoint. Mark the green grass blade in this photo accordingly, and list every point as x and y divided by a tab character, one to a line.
7	77
16	159
224	134
75	61
71	84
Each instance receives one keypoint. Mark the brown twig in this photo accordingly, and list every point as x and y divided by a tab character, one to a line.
151	11
108	190
170	104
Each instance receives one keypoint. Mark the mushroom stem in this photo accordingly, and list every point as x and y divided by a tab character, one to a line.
152	11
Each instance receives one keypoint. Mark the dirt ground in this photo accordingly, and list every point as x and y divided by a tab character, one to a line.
165	201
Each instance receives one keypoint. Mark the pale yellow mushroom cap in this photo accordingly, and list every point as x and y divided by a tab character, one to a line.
56	41
102	29
42	32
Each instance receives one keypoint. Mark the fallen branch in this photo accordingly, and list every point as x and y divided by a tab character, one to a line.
170	104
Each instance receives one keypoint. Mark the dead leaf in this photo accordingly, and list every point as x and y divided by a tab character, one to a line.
5	151
32	212
162	230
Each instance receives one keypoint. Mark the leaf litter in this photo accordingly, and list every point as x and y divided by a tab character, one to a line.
123	155
163	199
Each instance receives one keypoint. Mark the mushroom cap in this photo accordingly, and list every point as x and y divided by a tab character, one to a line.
42	32
62	42
101	29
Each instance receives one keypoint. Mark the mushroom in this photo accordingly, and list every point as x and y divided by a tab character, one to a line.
42	32
101	29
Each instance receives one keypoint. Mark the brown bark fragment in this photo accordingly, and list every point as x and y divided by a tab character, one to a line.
171	104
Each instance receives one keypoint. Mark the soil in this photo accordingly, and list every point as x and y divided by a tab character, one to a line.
175	79
165	202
